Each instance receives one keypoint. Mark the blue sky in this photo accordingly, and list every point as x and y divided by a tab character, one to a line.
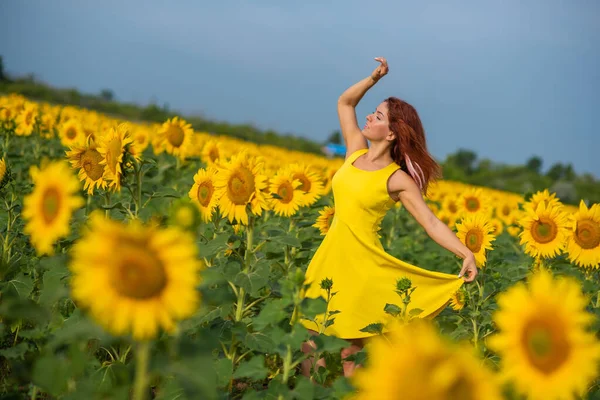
506	79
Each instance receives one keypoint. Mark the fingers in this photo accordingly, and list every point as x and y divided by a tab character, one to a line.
462	271
472	274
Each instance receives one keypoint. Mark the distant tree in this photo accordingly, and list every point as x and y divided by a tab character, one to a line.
534	164
335	137
556	171
107	95
463	159
569	173
3	77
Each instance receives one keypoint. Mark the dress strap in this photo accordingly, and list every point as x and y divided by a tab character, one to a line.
356	154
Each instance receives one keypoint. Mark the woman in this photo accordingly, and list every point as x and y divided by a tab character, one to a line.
396	167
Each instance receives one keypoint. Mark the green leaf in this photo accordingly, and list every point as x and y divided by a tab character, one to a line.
373	328
254	369
51	374
16	352
414	312
213	246
53	287
288	240
392	309
224	369
259	342
272	313
329	343
22	284
312	307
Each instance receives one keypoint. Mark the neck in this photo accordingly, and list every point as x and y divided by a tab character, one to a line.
379	153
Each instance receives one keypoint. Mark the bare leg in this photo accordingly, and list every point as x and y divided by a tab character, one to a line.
350	366
307	348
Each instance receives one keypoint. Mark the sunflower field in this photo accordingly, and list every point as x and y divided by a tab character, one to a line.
151	261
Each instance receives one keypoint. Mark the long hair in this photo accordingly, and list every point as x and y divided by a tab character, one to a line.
409	149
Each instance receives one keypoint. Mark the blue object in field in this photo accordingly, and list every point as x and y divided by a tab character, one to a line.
332	149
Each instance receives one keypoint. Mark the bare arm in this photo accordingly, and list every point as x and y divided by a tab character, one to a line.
347	103
412	200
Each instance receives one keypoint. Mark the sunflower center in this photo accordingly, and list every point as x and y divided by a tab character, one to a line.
175	135
71	133
506	211
205	193
544	230
587	234
28	118
139	274
305	184
472	204
240	186
452	207
286	192
50	204
213	154
461	388
474	240
113	151
545	344
90	161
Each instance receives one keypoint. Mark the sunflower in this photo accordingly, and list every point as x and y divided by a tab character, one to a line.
49	207
71	133
474	231
184	214
140	139
413	363
212	151
446	218
324	219
26	119
176	136
474	200
543	343
47	122
203	192
87	160
506	210
497	226
239	183
458	299
286	196
545	230
147	276
513	230
549	199
583	243
112	147
311	185
4	173
327	179
450	205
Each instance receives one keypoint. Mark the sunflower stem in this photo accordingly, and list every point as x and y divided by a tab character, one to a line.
247	261
107	203
139	175
141	371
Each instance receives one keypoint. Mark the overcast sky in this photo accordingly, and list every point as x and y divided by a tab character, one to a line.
508	79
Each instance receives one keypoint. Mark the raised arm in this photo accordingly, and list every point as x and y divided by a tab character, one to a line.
347	103
411	198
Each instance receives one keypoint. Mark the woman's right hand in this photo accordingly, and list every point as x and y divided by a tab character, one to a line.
381	70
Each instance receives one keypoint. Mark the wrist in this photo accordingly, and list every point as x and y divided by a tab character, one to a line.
375	79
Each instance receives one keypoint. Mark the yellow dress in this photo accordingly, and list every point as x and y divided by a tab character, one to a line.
364	275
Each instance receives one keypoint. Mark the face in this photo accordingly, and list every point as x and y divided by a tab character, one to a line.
377	126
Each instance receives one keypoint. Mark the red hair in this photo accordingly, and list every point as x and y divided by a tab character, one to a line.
409	149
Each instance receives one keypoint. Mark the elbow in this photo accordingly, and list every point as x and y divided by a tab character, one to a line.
343	101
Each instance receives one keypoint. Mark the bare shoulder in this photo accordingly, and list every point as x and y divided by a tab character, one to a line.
400	181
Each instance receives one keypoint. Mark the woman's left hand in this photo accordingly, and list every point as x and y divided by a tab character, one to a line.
470	268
